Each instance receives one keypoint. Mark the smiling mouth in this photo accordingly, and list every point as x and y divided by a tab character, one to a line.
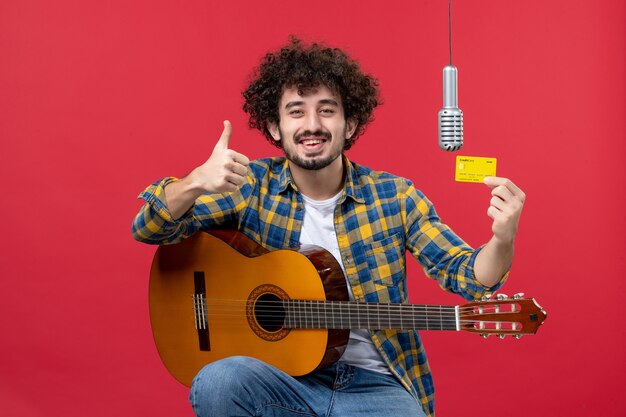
311	142
310	138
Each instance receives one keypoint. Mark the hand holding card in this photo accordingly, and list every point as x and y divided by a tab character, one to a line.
507	201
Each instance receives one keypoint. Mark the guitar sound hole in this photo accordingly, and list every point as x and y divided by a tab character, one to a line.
269	312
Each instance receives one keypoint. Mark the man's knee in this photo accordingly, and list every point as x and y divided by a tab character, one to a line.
225	382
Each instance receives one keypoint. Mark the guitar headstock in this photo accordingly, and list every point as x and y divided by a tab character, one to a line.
502	316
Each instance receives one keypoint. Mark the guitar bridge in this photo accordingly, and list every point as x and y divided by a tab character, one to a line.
200	311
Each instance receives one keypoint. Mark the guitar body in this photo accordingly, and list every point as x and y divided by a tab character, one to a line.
218	277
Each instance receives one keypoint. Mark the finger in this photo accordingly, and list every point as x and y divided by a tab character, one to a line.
492	212
493	182
498	203
228	187
238	169
224	140
239	158
235	179
502	192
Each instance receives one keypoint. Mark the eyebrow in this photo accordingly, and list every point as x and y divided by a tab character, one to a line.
322	101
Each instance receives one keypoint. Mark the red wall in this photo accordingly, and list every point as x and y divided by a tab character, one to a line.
99	98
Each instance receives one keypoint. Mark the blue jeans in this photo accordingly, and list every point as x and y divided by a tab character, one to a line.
242	386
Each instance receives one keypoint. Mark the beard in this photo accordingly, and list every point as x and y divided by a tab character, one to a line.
313	163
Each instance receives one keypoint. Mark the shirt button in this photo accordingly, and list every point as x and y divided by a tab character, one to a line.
348	260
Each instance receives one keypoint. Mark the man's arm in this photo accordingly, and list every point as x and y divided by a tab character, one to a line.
167	216
224	171
495	258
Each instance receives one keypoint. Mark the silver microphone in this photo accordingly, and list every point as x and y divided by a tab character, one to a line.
450	116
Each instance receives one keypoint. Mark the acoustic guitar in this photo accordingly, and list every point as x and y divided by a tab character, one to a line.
219	294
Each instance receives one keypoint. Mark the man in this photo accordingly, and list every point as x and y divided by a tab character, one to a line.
314	102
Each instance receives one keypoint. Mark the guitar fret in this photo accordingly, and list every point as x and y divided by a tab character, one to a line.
300	315
341	316
440	319
319	318
307	314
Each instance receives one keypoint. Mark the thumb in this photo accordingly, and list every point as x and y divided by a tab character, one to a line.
224	140
491	182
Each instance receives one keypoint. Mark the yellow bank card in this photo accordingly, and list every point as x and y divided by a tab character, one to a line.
474	168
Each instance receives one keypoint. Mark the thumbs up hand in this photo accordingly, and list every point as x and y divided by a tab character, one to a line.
225	170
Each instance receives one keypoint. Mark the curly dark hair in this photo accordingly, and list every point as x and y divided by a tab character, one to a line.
308	67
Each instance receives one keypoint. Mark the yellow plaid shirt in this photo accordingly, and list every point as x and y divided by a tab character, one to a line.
378	218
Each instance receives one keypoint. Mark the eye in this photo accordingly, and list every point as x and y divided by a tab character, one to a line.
296	112
327	110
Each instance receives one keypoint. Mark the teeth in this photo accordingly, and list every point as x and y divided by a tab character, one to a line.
311	141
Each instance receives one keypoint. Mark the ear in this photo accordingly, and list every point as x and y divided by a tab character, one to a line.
273	129
351	125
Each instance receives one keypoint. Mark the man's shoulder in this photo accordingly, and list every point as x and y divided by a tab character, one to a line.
366	175
382	184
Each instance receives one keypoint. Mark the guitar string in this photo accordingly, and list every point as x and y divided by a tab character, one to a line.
313	313
348	318
233	302
384	315
474	304
309	314
419	324
352	305
345	318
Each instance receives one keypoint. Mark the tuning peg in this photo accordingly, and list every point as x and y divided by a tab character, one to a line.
485	335
518	336
518	296
502	297
486	297
501	336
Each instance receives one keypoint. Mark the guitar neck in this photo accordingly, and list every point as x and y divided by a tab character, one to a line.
310	314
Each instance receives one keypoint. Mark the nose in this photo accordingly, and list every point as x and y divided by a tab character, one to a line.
312	122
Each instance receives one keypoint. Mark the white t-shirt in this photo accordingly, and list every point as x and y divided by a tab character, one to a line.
318	228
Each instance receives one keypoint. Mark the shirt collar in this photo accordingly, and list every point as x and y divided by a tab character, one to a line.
285	179
352	187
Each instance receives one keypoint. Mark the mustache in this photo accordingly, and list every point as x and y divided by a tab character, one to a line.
308	133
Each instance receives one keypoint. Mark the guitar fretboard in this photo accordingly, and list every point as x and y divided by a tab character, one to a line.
308	314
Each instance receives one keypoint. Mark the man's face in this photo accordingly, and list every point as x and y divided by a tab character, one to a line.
312	127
